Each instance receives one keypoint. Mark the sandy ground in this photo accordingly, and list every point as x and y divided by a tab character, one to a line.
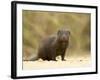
74	61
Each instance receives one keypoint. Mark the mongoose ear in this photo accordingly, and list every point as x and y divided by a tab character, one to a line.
58	32
69	32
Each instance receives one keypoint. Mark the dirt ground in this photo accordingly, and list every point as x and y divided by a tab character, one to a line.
71	61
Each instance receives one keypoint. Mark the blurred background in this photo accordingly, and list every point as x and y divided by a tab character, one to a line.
39	24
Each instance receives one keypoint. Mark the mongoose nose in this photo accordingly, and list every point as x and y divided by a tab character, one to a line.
64	37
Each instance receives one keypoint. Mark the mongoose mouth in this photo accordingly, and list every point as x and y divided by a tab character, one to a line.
63	41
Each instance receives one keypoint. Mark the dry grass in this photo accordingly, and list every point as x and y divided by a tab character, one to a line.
40	24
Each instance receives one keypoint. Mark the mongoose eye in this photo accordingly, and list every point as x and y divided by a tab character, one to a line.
61	32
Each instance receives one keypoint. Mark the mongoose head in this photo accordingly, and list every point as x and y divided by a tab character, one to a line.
63	35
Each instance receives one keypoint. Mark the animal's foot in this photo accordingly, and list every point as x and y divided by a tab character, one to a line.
63	59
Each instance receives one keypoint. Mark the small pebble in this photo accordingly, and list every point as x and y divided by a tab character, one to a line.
40	60
80	60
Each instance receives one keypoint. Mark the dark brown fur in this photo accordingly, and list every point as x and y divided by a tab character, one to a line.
54	46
